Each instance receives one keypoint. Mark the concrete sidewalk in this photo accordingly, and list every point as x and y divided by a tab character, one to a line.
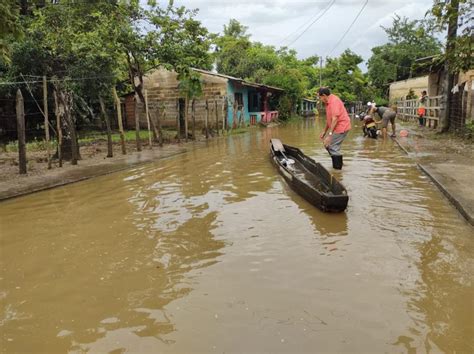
447	161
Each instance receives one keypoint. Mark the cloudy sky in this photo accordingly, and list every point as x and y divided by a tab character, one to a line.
311	27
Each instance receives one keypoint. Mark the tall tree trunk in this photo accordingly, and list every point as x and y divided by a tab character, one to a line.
119	119
135	71
20	119
58	112
186	104
105	116
70	146
46	120
448	81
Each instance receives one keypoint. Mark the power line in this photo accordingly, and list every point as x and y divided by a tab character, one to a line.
297	30
312	23
344	35
56	80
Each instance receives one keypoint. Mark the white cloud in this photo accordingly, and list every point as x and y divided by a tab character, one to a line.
272	21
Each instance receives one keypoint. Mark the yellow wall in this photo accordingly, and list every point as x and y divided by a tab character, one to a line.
400	89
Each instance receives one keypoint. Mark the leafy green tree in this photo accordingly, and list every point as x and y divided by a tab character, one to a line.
294	84
407	41
459	51
9	27
345	78
231	50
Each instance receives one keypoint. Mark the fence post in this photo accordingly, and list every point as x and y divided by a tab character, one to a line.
119	118
58	128
20	120
207	119
178	123
110	152
217	117
148	119
137	124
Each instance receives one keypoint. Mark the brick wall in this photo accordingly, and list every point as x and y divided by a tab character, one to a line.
163	93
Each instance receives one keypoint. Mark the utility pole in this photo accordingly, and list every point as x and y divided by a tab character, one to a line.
448	75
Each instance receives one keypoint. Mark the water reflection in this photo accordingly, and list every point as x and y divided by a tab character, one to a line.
212	251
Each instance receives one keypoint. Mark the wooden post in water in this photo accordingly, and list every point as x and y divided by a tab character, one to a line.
234	115
186	104
119	118
65	99
148	119
193	112
160	131
137	124
207	119
46	120
225	112
178	123
58	114
110	151
20	123
217	117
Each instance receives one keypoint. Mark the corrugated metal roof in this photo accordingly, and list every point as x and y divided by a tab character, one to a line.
242	81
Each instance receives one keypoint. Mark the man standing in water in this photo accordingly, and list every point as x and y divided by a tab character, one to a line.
338	125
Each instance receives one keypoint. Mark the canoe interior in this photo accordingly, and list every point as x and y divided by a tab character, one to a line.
309	178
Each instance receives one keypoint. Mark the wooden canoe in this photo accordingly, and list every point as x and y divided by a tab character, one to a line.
308	178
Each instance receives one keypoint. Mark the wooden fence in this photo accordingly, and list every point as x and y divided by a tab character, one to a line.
408	109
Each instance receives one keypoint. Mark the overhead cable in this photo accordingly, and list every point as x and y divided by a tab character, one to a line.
344	35
312	23
299	28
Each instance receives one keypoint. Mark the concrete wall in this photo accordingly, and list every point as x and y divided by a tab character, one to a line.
400	89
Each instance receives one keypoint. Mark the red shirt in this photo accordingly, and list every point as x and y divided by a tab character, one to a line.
335	108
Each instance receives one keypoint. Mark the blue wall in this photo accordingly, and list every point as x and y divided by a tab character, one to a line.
231	90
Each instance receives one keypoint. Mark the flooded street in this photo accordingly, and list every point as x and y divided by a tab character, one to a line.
211	251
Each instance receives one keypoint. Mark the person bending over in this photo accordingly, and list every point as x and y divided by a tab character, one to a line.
387	115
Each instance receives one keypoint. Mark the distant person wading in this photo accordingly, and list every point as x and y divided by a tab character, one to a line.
338	125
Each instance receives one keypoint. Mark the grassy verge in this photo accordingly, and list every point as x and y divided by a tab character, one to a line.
85	138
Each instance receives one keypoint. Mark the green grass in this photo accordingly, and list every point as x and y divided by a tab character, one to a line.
237	131
85	138
36	145
93	136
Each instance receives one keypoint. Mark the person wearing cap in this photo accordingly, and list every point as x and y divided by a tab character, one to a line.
338	125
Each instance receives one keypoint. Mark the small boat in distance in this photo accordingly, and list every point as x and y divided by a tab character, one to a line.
308	178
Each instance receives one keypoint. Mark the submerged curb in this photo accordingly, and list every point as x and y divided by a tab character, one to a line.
458	205
454	201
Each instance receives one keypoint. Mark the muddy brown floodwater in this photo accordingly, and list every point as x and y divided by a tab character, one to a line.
210	251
